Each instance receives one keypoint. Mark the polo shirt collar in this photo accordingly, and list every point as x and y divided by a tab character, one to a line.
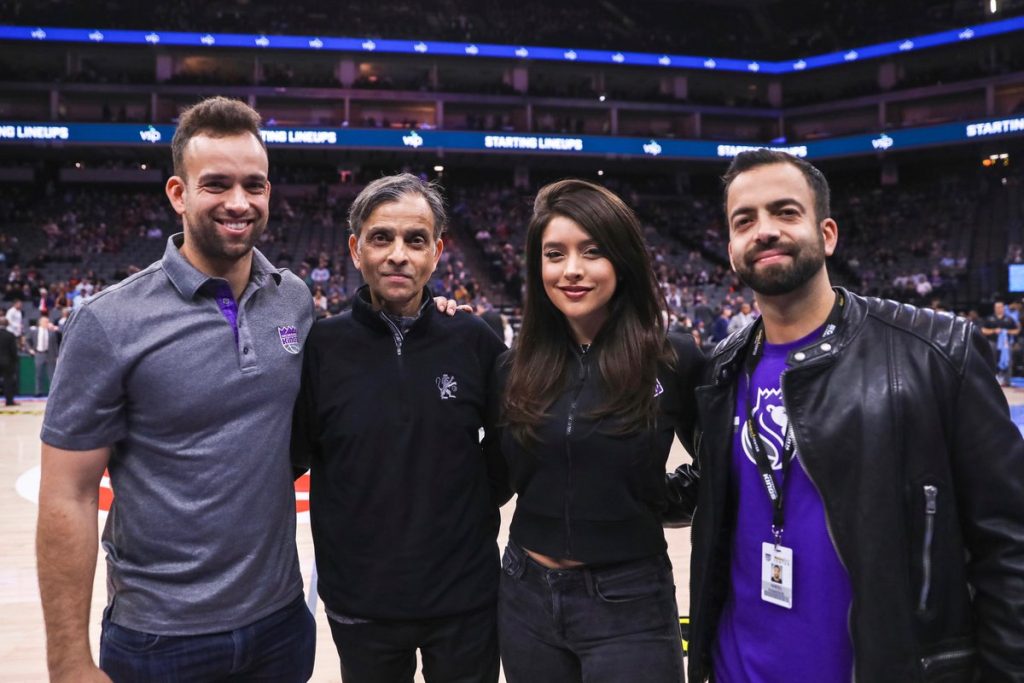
188	280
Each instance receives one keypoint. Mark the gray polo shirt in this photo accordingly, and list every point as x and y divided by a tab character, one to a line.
201	534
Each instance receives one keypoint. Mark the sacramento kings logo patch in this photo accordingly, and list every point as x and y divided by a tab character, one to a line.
289	338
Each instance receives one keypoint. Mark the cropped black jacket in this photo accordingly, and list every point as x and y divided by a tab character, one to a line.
590	495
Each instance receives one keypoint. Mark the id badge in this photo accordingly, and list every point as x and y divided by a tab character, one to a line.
777	575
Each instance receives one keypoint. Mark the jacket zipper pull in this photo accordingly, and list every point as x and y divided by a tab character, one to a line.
931	494
395	332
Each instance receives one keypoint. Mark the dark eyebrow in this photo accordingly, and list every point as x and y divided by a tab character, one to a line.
223	177
786	201
585	243
772	206
739	210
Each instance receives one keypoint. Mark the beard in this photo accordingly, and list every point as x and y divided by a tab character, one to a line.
210	241
777	279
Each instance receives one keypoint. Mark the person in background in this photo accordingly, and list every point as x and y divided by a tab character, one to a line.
1001	329
43	344
720	328
8	362
65	313
15	319
744	317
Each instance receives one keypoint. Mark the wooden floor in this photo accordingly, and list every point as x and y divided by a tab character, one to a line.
22	639
21	629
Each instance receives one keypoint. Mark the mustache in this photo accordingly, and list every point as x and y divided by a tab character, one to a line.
758	250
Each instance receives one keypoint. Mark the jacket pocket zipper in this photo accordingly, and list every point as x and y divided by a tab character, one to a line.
946	657
930	506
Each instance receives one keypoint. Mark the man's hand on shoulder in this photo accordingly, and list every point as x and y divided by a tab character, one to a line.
449	306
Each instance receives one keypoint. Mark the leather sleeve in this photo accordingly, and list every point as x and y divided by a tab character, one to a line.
681	488
681	485
988	466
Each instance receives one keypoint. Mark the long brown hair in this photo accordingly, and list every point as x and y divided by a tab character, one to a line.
629	346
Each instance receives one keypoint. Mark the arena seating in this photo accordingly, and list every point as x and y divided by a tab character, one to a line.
910	241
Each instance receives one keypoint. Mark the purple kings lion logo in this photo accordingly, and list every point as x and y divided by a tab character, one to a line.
289	338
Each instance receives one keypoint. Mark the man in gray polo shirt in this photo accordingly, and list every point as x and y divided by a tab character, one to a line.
180	381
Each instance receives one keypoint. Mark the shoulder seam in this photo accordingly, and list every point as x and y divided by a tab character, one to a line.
123	284
944	353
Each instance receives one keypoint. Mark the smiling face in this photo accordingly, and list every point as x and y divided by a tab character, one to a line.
578	277
776	243
396	252
223	199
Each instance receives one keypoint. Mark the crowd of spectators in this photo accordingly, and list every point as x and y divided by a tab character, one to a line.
908	242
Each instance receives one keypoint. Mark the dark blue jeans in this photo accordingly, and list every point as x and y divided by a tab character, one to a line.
457	649
279	647
611	624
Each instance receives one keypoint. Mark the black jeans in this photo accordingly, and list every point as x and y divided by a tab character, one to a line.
457	649
610	624
278	648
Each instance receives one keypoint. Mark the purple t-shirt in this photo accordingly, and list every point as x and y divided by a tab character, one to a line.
759	642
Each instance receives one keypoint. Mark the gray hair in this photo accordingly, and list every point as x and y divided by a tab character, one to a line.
390	189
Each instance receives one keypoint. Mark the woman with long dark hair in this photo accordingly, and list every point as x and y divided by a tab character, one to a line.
592	394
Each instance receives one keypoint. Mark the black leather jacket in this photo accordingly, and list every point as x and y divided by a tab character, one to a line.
904	431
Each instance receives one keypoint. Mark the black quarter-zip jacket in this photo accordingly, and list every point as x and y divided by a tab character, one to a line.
403	513
589	495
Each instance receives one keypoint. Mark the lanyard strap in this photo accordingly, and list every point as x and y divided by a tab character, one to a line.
757	443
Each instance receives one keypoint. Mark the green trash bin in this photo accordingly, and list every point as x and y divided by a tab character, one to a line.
27	376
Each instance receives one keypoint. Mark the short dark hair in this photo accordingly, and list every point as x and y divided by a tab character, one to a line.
216	117
391	188
745	161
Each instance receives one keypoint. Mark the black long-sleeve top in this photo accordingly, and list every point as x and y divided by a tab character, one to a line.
402	506
589	495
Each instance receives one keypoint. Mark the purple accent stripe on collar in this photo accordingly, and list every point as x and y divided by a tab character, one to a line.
228	306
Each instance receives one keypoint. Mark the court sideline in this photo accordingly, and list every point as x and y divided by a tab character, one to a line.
22	639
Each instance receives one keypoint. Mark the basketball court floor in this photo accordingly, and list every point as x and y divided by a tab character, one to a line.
22	641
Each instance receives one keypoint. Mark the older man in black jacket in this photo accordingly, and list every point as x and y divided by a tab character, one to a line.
403	501
861	504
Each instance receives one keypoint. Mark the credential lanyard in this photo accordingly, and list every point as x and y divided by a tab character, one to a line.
757	444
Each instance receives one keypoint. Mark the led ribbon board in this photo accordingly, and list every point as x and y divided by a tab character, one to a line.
42	34
505	143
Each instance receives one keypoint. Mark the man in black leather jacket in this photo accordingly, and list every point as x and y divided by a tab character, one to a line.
910	524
